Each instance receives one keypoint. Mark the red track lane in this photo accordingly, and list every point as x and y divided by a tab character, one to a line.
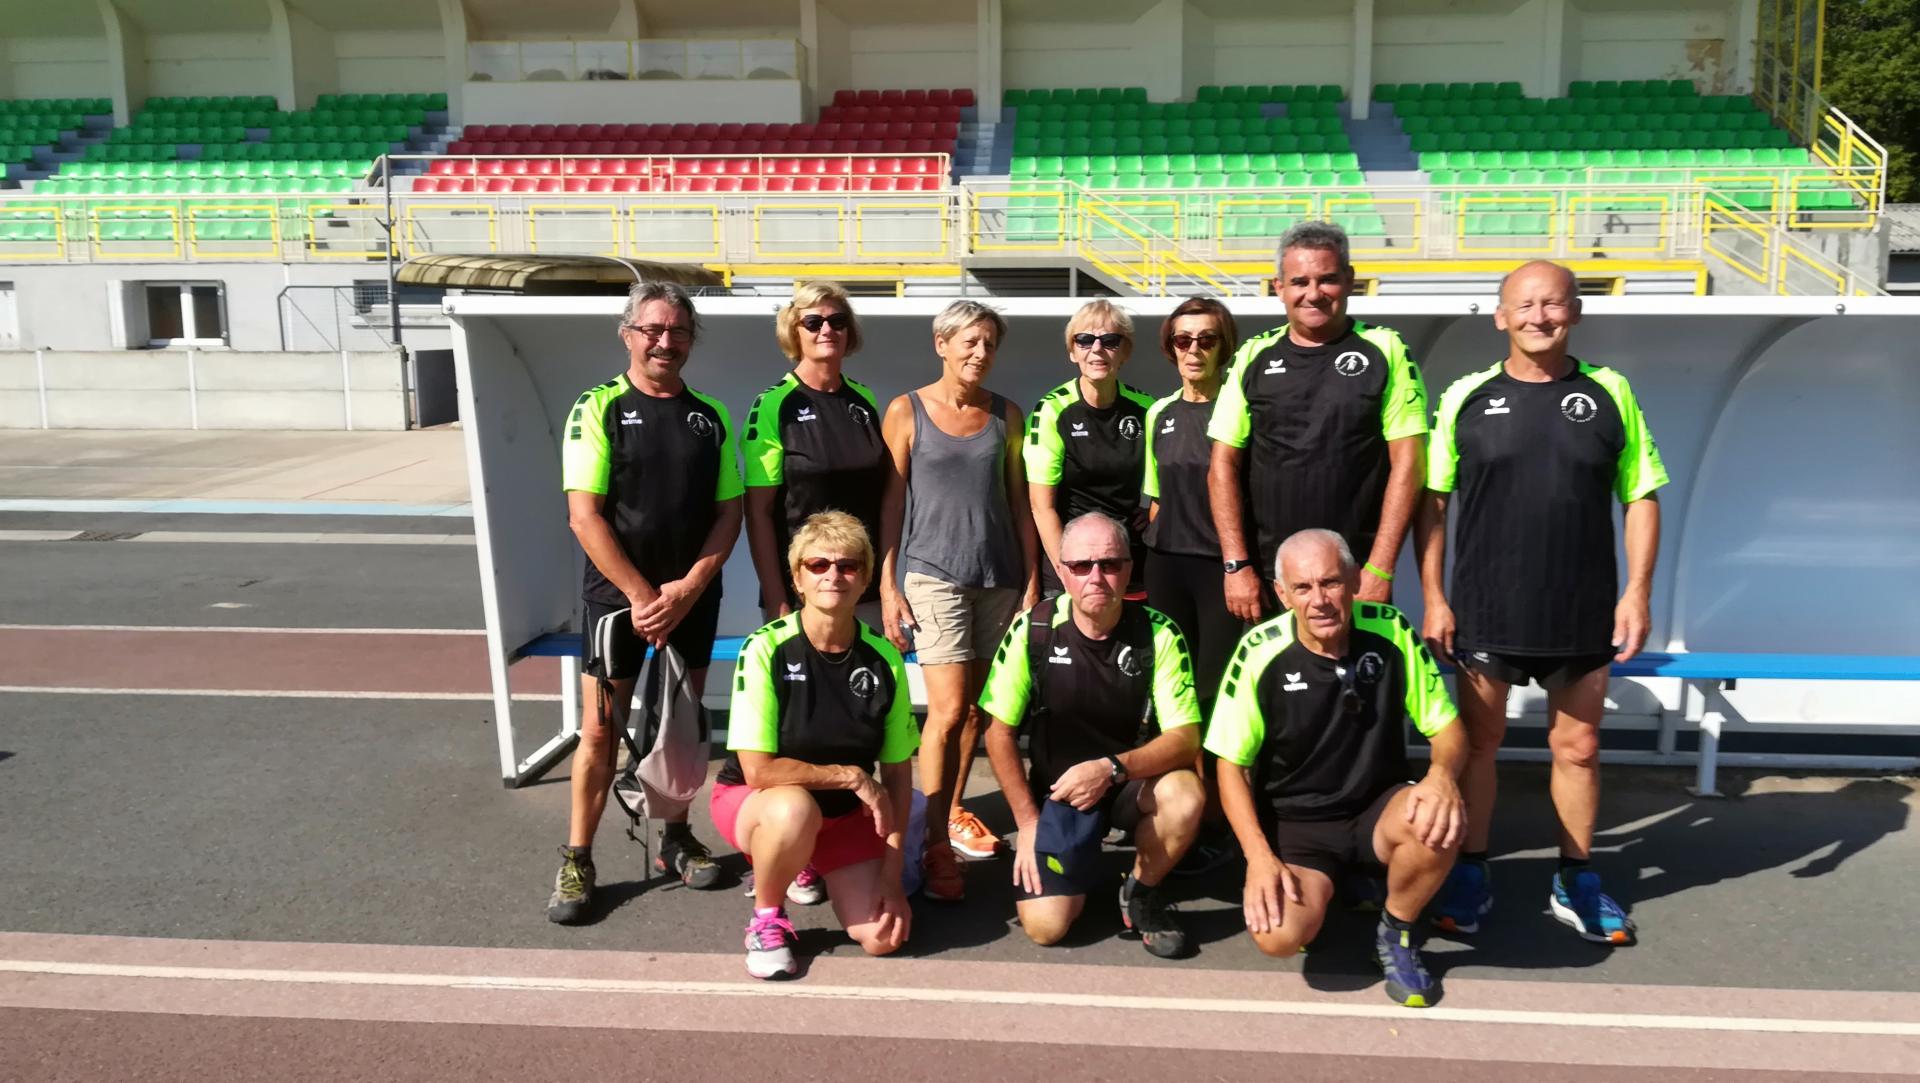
259	661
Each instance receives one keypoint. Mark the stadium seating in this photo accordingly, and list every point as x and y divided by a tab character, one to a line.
32	125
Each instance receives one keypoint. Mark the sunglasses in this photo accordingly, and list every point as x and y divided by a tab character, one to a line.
821	565
813	322
1108	565
1203	341
1350	702
658	331
1112	340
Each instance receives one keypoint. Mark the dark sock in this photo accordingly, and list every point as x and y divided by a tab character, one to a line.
1572	864
1394	923
1474	855
581	854
676	832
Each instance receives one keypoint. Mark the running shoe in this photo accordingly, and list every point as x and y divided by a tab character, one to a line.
1408	982
1146	912
1364	892
1466	895
770	940
1587	910
942	881
572	890
690	860
1210	851
969	837
808	889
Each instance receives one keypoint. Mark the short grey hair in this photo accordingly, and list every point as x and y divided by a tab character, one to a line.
1096	519
1314	234
644	293
1310	536
960	315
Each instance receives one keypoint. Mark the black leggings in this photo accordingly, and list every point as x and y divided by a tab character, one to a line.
1192	591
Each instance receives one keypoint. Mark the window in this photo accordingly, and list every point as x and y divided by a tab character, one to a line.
185	313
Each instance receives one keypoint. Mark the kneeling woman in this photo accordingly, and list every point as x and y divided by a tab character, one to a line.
818	697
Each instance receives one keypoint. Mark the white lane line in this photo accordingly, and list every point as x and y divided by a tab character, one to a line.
242	628
262	537
267	693
38	535
896	994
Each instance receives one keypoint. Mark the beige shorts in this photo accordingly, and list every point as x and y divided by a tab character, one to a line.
957	624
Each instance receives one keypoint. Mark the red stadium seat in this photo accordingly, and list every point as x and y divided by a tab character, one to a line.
731	131
726	184
565	132
494	133
812	167
519	131
728	146
683	131
574	183
859	184
699	184
889	166
542	131
602	147
939	97
549	184
545	167
474	131
833	184
884	184
749	184
440	167
963	97
641	146
629	184
706	131
914	97
428	183
806	184
893	97
591	132
780	184
576	146
864	166
844	97
754	132
779	131
783	167
600	184
867	97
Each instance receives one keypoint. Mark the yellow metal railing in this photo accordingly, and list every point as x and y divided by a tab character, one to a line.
16	244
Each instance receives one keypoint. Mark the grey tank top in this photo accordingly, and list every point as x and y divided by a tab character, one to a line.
959	524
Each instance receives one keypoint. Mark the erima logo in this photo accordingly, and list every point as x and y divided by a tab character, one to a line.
1351	363
793	672
1578	406
863	682
1079	428
1060	657
1497	406
806	414
1166	426
1276	366
1294	683
630	417
1129	428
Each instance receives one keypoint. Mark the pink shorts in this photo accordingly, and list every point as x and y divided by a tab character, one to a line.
842	841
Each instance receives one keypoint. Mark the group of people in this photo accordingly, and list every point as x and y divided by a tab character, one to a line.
1183	605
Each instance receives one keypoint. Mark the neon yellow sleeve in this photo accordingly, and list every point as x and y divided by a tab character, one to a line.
1237	728
1150	480
1428	707
902	734
1045	454
753	712
1443	449
1174	701
586	459
1010	681
1640	470
1403	404
728	485
1231	423
765	453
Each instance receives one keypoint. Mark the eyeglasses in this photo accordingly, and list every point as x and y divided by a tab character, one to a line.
1201	341
813	322
1107	565
1350	702
821	565
675	333
1112	340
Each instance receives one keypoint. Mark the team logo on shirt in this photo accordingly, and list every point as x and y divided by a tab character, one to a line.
1079	428
1497	406
860	413
1579	406
1060	657
1351	363
1129	428
863	682
1276	365
806	414
630	417
1294	683
1127	662
793	672
1368	669
701	424
1166	426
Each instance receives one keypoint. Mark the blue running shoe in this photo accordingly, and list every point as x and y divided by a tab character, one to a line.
1408	982
1466	895
1587	910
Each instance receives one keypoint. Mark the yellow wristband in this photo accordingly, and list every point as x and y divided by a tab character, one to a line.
1377	573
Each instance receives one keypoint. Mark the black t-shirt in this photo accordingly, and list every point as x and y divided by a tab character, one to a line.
1539	467
1178	452
823	450
1094	458
1283	711
1316	421
663	465
789	700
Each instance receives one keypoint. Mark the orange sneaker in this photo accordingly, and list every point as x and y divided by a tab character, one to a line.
969	837
941	880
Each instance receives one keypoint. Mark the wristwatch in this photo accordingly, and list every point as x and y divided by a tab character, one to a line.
1117	773
1232	566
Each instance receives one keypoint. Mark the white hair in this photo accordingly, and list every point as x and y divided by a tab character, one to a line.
1096	519
1314	536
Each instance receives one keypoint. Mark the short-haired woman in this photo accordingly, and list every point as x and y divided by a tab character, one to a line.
818	697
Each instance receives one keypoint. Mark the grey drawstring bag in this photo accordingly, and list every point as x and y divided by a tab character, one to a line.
673	729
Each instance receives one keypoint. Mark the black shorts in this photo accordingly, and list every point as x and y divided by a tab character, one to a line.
1551	672
692	637
1085	870
1330	845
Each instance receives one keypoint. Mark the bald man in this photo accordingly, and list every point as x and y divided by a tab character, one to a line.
1539	447
1310	728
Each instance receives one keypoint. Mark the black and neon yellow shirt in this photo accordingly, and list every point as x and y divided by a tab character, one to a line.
792	701
662	463
1178	452
1538	467
1096	697
1092	457
1315	421
1284	712
822	450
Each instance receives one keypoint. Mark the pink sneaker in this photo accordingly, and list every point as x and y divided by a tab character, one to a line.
808	889
770	946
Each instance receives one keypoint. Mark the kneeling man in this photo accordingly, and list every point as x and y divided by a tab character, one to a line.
1313	714
1088	675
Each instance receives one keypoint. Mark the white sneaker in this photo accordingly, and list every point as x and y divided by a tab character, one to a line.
808	889
770	947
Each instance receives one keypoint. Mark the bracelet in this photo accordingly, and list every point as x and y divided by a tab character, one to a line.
1377	573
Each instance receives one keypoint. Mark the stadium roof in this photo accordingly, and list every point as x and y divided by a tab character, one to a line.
1903	228
547	274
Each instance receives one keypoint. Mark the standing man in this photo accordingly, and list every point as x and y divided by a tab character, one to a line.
1318	424
1539	446
1310	729
653	494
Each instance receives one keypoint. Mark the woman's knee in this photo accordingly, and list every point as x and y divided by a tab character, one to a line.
1278	943
788	810
867	936
1047	921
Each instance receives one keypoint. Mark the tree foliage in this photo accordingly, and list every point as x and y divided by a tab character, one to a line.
1871	69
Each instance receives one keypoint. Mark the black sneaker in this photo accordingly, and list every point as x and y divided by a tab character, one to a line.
1146	913
572	890
1207	854
690	860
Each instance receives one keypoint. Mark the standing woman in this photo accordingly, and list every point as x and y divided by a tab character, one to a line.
959	554
1183	578
813	440
1085	450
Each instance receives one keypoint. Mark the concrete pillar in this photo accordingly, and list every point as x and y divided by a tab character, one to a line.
1360	81
454	32
305	63
989	77
1554	46
629	22
126	62
1162	54
1743	50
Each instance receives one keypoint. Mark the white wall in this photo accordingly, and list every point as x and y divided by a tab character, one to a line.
388	62
1199	47
202	389
645	101
315	71
1074	54
830	54
57	67
1459	46
1687	43
206	64
919	56
1302	48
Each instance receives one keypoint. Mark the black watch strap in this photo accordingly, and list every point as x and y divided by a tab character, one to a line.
1118	772
1232	566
